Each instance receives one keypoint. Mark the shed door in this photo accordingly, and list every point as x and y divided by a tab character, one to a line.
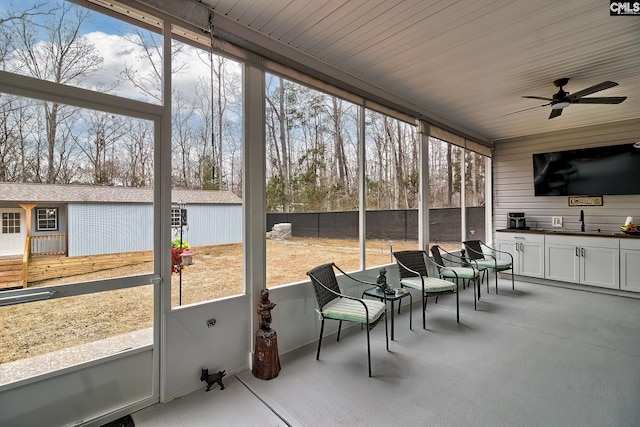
13	232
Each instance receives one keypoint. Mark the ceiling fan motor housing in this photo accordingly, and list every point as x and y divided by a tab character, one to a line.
560	100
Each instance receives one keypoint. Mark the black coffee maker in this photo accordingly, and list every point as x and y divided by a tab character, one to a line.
517	221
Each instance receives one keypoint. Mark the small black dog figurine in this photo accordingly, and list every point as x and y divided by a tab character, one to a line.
212	379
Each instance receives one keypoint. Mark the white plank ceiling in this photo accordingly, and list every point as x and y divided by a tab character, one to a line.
468	61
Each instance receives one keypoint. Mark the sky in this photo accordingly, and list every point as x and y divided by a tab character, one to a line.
109	36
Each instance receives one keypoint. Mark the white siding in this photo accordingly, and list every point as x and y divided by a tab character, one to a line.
212	225
109	228
513	179
122	227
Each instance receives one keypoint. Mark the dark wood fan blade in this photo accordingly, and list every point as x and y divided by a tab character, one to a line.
539	97
526	109
592	89
555	112
600	100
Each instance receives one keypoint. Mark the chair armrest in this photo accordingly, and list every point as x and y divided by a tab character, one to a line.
471	263
408	269
475	252
496	250
433	261
458	259
329	289
364	282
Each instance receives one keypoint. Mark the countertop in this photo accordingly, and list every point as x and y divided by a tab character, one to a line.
563	232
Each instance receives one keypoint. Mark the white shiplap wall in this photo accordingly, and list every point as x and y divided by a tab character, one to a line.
513	179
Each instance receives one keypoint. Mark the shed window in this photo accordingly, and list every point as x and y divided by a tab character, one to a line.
178	217
47	219
10	222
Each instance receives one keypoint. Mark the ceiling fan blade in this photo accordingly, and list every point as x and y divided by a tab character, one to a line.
555	112
526	109
600	100
592	89
539	97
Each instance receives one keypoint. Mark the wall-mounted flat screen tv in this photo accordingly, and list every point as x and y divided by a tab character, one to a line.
588	172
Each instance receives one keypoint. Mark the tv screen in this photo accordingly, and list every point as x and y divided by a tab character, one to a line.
588	172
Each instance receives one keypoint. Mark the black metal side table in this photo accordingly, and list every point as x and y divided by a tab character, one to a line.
382	296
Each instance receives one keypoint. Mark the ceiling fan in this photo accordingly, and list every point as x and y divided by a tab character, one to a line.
563	99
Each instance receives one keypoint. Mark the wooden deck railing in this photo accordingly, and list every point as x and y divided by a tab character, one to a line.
54	244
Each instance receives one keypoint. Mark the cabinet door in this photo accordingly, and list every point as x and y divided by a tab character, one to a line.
600	267
630	270
562	262
531	259
509	246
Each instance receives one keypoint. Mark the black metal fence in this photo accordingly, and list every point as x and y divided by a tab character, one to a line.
444	224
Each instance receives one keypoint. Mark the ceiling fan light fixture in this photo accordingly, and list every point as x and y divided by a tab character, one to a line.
560	105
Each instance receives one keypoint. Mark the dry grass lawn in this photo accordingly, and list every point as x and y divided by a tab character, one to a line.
31	329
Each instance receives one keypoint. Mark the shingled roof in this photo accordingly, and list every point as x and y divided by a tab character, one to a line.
57	193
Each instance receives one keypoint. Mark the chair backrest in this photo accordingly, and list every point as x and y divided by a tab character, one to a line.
474	249
324	275
413	260
437	257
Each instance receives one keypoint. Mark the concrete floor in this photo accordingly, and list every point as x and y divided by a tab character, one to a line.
536	356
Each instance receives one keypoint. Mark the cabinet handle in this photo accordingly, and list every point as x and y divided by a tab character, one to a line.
582	251
577	251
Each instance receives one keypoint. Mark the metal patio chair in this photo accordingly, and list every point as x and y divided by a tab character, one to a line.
334	305
412	267
457	268
487	261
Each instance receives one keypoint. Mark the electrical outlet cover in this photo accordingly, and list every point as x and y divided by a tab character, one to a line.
556	221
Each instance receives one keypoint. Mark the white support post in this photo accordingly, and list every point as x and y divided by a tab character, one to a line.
362	214
488	200
254	193
423	192
463	198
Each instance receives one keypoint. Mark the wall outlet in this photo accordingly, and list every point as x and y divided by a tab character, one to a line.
556	221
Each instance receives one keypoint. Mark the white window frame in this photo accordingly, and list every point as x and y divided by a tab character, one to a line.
42	214
12	224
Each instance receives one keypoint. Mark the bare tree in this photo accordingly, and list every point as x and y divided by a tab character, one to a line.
64	57
277	124
146	74
9	18
138	170
182	136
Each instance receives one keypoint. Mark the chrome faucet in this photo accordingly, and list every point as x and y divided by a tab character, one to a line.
582	220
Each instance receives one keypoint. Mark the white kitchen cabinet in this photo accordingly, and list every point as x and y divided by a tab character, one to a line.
591	261
630	265
562	262
527	251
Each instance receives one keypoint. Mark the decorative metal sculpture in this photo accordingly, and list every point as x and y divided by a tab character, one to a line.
381	281
266	361
264	310
212	379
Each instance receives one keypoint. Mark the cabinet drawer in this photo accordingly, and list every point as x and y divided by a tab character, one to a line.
521	237
630	243
594	242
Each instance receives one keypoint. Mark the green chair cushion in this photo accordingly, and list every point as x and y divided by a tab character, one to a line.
461	272
498	264
431	284
353	311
